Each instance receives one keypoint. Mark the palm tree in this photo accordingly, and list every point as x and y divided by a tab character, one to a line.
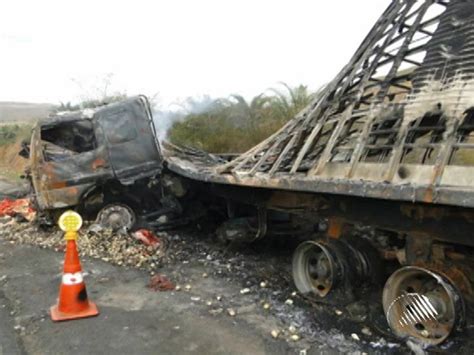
290	102
248	113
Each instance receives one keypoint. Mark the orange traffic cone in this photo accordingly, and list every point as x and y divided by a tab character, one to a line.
73	302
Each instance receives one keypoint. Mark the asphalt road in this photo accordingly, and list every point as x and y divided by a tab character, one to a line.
133	319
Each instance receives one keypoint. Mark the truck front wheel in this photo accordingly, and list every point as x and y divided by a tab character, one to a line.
117	216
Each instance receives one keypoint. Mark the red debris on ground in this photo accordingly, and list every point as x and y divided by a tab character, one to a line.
160	283
147	237
17	207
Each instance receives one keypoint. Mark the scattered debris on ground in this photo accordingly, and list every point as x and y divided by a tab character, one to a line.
17	208
160	283
258	282
148	238
249	283
115	248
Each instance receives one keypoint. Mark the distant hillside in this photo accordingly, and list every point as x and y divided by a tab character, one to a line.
18	112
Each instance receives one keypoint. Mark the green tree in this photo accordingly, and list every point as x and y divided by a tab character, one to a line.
289	102
248	113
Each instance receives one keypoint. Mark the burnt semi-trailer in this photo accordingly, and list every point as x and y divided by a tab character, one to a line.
383	154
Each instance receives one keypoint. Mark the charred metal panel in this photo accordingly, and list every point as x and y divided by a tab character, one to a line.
132	148
65	166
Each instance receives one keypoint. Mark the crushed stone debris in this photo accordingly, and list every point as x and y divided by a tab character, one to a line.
244	291
216	311
355	337
295	337
416	347
231	312
118	249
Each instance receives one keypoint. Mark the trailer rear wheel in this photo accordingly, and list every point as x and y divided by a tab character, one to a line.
314	269
422	304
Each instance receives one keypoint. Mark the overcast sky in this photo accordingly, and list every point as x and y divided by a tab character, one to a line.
52	51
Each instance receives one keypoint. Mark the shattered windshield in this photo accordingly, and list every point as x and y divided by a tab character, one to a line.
67	139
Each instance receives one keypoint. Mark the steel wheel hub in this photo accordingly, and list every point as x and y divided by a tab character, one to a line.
116	217
313	269
422	304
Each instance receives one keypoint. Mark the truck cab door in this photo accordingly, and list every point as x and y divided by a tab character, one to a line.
131	140
66	160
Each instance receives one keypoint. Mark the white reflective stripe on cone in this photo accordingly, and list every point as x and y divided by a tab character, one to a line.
72	279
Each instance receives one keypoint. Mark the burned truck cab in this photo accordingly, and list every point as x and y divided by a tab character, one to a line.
90	158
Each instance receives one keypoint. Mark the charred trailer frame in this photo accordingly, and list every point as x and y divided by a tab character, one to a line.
389	145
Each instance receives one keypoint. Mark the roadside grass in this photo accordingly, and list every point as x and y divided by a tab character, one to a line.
10	175
11	133
11	164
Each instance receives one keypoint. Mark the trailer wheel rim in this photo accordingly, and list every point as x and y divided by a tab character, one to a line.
313	269
421	304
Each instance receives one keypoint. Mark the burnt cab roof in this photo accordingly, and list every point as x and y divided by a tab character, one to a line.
126	130
89	113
